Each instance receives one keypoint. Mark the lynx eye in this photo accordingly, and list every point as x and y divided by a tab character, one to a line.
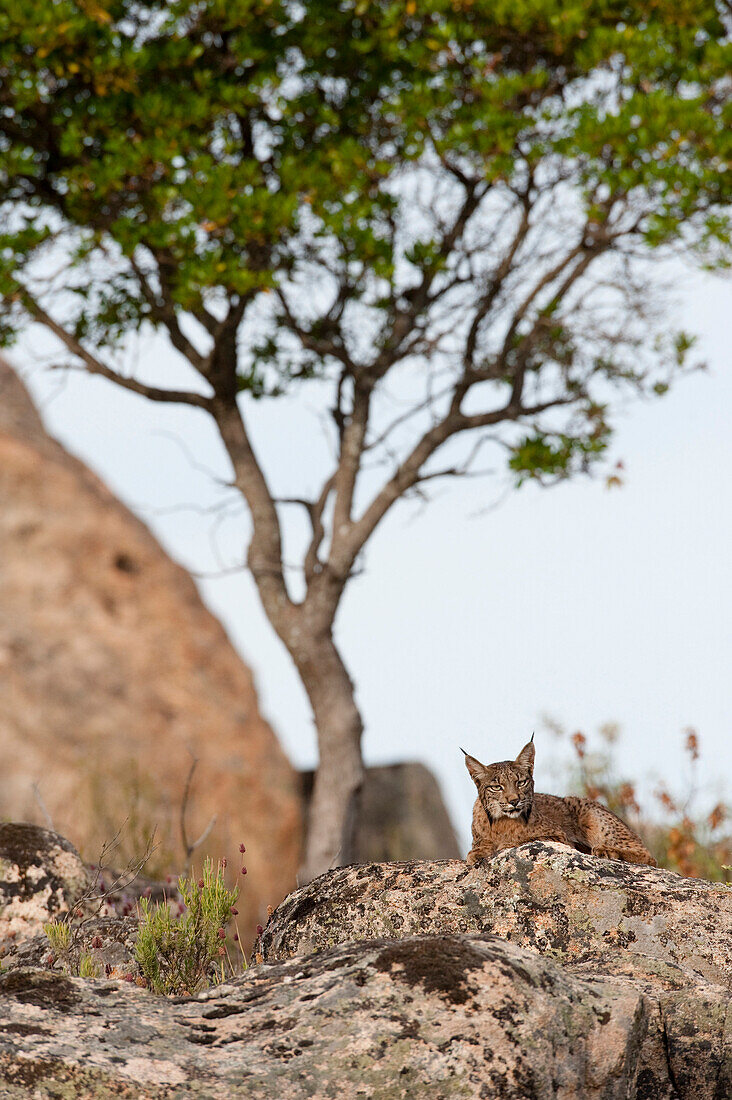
523	782
494	786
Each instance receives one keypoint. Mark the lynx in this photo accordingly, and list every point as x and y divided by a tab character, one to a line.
507	813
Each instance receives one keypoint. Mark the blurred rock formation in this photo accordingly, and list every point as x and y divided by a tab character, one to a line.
114	676
402	816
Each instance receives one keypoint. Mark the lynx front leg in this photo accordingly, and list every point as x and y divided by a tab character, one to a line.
479	852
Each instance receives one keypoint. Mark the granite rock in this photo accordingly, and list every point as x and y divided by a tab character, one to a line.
435	1017
41	876
571	907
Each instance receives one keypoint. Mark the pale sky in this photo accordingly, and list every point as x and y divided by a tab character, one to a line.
469	623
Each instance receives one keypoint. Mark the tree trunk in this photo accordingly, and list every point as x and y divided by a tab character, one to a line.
334	805
306	631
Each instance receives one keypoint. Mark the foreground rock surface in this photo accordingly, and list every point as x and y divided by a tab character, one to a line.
431	1016
572	907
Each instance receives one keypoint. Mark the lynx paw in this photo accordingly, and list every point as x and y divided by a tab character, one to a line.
477	856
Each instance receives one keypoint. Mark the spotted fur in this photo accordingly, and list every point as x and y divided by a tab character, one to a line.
508	812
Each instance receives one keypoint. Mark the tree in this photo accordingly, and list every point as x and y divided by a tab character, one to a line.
465	199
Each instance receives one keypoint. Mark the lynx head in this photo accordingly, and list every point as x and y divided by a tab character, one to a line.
505	789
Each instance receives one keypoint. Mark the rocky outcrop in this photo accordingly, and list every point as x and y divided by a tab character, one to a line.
435	1016
596	980
579	910
114	676
43	880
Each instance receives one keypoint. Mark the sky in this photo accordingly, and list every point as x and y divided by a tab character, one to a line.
475	618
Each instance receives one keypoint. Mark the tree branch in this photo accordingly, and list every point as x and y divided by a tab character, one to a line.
408	474
92	365
404	320
311	342
315	511
495	284
349	462
163	311
264	557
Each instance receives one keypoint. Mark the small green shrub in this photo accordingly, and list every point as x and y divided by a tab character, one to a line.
88	968
59	936
176	954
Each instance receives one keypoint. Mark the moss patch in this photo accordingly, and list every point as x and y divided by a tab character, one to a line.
439	964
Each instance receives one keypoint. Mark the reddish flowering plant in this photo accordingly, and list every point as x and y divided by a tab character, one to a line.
685	840
579	741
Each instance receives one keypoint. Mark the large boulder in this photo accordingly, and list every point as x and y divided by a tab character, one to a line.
429	1016
402	815
114	676
41	876
572	907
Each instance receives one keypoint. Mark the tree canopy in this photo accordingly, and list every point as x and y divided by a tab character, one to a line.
204	152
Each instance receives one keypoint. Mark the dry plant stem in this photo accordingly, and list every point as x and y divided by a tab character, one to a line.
188	847
241	945
74	920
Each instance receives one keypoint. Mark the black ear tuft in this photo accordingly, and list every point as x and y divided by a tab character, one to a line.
476	769
525	758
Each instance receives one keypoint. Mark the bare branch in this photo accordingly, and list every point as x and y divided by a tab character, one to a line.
495	285
188	847
349	462
312	563
42	805
92	365
408	473
318	344
528	341
403	321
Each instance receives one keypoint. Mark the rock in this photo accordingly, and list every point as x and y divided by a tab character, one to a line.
113	675
605	981
402	815
41	876
561	903
43	879
430	1016
106	944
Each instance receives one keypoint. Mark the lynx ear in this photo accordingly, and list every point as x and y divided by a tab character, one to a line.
476	769
525	758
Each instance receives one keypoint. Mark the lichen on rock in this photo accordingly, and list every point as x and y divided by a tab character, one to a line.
41	876
544	973
571	907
